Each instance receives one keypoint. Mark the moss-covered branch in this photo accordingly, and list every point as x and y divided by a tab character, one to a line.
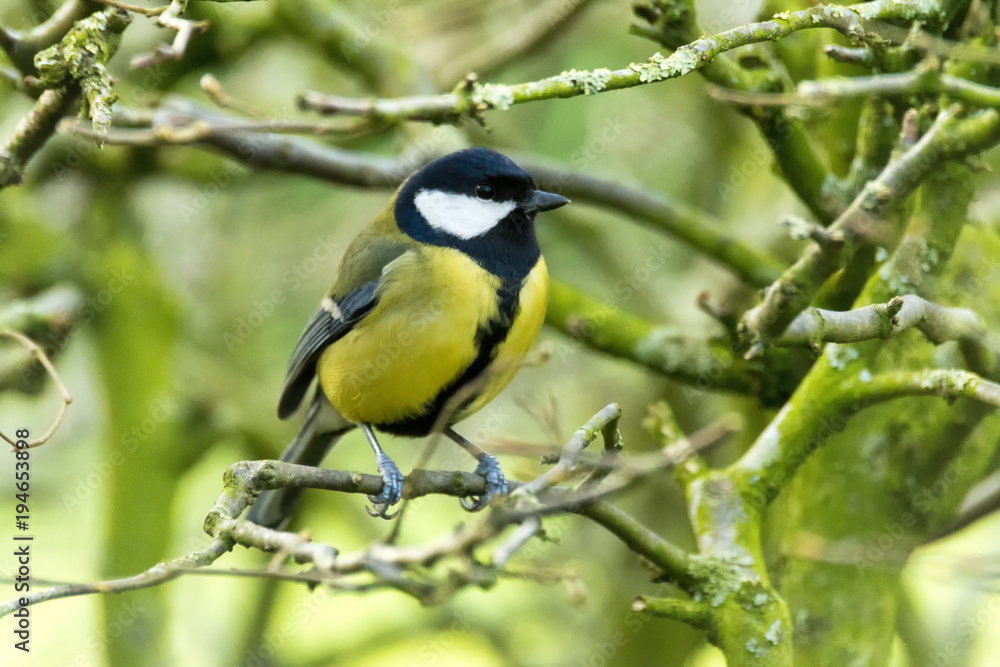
80	59
640	539
705	364
405	568
803	426
952	136
673	23
32	133
474	98
73	65
21	47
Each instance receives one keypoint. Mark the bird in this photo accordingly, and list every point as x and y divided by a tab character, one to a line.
435	304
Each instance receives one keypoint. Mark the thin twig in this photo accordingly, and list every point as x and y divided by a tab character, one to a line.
135	9
158	574
170	18
607	418
39	354
923	80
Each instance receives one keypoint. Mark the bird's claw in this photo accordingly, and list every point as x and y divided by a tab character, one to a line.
392	488
496	484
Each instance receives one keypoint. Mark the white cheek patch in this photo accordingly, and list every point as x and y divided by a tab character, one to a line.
460	215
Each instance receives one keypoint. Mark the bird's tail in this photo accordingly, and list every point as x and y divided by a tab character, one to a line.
321	430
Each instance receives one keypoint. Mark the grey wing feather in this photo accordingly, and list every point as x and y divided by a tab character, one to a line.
323	328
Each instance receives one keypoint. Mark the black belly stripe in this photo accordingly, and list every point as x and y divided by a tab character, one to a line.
489	337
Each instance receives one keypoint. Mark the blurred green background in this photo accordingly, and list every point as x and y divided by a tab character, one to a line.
175	375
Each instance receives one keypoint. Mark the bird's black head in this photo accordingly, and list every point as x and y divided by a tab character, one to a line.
479	202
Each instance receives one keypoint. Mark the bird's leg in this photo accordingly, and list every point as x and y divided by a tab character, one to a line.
488	468
392	479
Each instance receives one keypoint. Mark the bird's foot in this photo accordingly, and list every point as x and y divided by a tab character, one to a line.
496	484
392	488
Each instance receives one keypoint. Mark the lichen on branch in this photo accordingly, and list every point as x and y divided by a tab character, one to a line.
80	58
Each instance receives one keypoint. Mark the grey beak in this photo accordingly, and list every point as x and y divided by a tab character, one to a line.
545	201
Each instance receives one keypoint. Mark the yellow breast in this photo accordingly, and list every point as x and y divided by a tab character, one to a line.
532	304
421	337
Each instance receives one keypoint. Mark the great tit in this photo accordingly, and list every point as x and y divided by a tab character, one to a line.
434	305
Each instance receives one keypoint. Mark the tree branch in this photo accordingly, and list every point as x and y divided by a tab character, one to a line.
39	354
179	121
696	614
564	468
669	558
170	19
401	567
690	225
799	430
22	47
470	101
156	575
927	78
704	364
949	138
673	23
32	133
937	323
73	65
80	59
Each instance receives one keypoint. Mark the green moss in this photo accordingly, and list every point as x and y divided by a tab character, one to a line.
718	576
81	57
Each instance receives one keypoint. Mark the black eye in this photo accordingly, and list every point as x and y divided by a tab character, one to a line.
485	191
